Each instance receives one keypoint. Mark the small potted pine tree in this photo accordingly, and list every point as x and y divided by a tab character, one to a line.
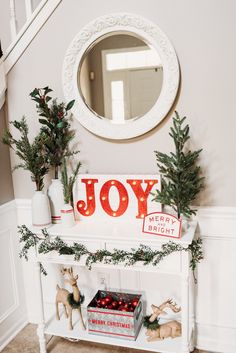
57	134
33	158
181	176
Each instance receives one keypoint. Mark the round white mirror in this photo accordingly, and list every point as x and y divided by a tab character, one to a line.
123	73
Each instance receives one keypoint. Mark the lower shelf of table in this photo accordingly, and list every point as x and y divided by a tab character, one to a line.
60	328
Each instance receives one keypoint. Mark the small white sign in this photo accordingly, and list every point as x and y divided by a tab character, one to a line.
163	224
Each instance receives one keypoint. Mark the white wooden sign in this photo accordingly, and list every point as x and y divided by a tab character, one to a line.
114	196
163	224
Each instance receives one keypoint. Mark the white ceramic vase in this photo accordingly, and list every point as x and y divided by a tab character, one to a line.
67	216
185	226
41	214
56	198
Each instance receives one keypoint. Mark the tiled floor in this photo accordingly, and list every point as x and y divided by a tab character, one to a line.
27	342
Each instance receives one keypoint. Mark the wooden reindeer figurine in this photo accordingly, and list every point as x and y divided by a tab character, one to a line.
69	300
170	329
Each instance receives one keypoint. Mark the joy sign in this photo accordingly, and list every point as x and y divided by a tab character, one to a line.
116	195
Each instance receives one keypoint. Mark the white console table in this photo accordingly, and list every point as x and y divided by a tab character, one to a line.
124	235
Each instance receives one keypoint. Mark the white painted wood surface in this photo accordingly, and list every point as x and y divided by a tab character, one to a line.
215	292
13	315
126	236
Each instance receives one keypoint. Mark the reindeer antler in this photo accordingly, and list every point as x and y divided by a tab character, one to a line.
68	271
157	310
170	304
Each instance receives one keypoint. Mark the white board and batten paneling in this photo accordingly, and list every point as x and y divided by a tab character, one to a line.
13	314
216	290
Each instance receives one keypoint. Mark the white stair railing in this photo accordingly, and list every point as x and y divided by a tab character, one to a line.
21	38
35	20
13	19
3	86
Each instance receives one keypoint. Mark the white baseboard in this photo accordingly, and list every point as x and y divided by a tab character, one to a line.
216	339
12	332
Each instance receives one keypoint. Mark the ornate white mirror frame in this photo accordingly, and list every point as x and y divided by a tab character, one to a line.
155	38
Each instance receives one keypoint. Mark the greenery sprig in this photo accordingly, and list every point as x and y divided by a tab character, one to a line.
142	254
55	126
68	181
32	154
73	303
150	325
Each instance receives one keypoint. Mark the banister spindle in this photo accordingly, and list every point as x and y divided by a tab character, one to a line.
28	8
1	53
13	19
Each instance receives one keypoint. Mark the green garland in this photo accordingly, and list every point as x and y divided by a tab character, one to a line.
73	303
150	325
128	258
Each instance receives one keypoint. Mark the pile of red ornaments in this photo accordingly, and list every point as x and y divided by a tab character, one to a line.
120	304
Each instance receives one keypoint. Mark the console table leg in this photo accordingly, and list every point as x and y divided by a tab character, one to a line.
42	341
41	325
191	313
185	314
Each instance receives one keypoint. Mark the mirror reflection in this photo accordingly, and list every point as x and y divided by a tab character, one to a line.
120	77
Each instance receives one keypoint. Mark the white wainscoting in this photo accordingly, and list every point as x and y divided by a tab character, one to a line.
215	292
13	315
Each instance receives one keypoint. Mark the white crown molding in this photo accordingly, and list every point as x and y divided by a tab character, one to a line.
217	212
217	222
23	204
213	222
8	206
28	32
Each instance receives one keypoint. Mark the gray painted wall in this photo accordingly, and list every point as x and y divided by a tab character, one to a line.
203	34
6	186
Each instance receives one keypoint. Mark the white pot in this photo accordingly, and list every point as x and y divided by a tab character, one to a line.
56	198
67	216
185	226
41	214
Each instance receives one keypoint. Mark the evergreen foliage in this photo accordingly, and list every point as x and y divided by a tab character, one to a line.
151	325
68	182
142	254
32	155
55	126
181	180
73	303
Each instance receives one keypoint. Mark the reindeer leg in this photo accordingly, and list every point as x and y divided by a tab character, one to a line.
66	313
152	339
57	311
81	317
70	319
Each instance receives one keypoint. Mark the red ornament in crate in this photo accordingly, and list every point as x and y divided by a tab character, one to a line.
114	304
134	302
108	299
